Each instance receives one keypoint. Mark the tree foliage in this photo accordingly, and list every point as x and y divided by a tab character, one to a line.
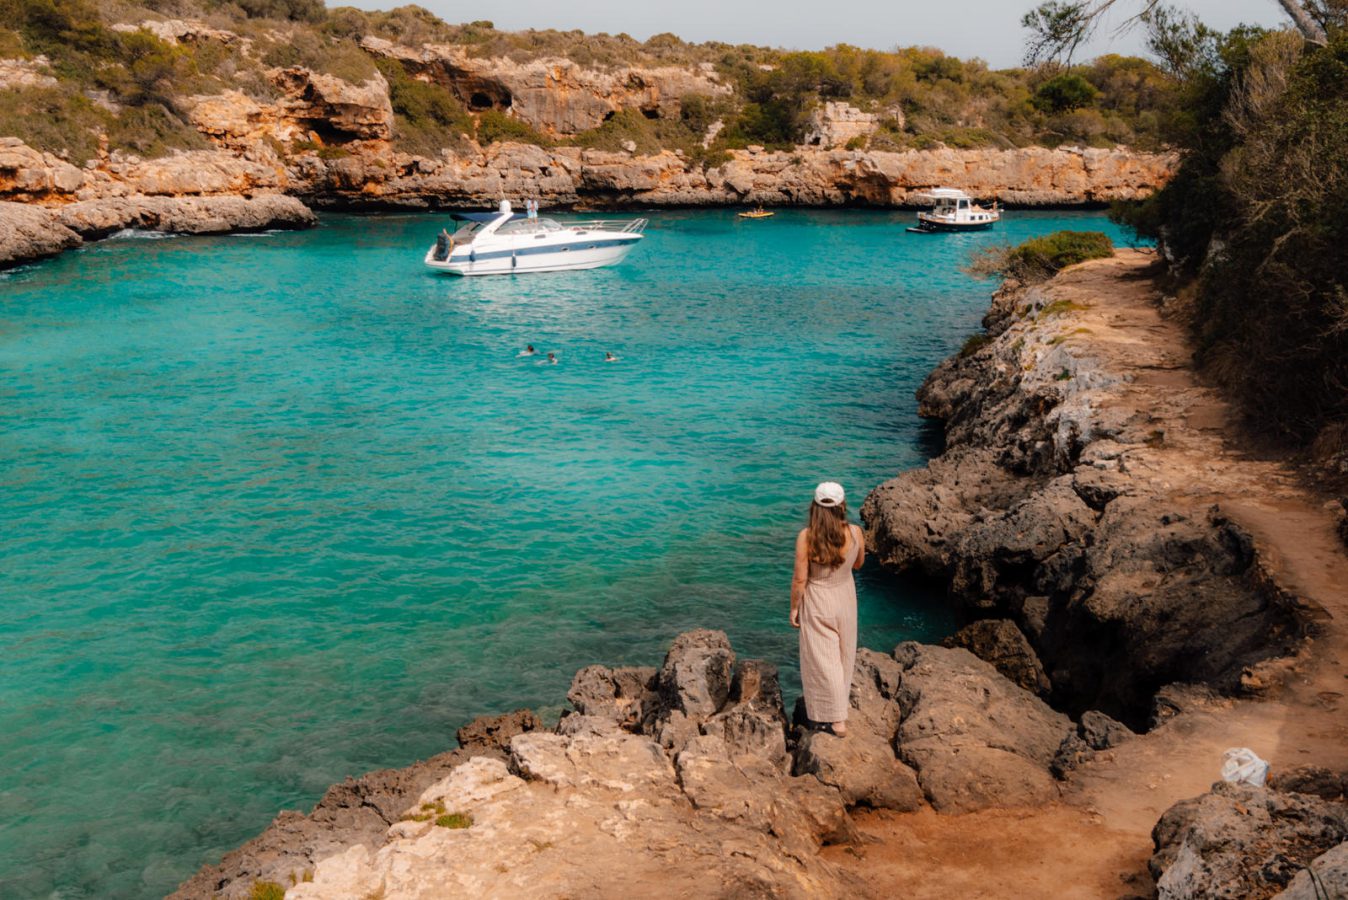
1257	215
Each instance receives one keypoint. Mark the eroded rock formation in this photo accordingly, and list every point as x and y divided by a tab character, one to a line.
683	780
1052	508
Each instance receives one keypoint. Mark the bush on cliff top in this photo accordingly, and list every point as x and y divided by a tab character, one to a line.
1041	258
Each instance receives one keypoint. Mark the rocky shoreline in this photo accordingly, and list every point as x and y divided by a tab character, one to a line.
48	205
1102	580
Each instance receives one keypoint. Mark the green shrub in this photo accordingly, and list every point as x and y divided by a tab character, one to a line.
1056	251
427	117
1040	258
55	119
152	130
454	820
494	125
973	343
1064	93
267	890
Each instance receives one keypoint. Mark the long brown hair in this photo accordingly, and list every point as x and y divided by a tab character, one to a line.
826	534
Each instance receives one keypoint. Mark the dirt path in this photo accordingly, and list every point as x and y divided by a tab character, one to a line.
1095	842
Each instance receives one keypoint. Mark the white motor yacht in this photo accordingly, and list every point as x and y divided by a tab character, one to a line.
506	242
954	210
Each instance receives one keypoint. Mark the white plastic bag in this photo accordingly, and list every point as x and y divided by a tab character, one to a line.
1240	765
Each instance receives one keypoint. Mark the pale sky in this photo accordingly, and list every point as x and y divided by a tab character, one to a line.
989	29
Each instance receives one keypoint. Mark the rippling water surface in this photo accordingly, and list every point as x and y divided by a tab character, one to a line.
279	509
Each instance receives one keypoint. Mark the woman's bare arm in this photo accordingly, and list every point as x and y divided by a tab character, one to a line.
799	576
861	547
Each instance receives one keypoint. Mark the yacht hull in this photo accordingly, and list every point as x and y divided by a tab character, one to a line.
584	254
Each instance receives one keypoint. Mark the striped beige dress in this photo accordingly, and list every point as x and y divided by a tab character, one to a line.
828	637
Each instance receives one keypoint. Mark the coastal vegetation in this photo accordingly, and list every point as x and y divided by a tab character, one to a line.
102	81
1255	220
1039	259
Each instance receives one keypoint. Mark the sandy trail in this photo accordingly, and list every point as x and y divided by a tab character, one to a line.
1096	840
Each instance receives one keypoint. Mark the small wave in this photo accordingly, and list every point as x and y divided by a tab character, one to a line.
139	234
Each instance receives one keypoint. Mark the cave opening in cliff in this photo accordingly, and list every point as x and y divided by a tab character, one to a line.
480	101
651	112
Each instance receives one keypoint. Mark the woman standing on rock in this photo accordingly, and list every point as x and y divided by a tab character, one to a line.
824	606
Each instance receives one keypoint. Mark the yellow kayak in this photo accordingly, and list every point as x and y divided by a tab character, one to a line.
759	213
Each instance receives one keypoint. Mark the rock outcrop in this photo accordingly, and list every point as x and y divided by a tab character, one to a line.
1058	507
1249	842
683	780
557	96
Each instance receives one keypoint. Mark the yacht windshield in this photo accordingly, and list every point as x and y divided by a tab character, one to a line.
529	226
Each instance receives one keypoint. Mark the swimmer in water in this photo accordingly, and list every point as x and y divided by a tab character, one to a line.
609	357
552	358
528	350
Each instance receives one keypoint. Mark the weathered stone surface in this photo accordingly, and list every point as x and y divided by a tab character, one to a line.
625	763
693	685
31	232
834	123
495	732
975	739
1047	510
356	813
1314	780
1241	842
626	696
327	105
753	721
1001	643
1327	877
862	767
29	175
1100	732
555	95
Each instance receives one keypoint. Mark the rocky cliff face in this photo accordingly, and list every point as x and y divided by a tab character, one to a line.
1072	502
556	96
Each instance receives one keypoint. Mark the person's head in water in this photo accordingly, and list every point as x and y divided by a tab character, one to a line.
552	357
529	348
827	531
608	355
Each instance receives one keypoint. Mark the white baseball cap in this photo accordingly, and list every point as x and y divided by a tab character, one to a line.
829	493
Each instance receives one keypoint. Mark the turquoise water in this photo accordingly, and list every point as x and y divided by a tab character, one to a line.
279	509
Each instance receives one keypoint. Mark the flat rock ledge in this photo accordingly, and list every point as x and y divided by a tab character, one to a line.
682	780
1072	512
29	232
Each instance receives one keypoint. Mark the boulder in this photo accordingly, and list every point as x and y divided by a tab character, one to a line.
1314	780
325	104
624	695
495	732
753	721
862	767
1001	643
1241	842
28	233
31	175
1326	876
975	739
1100	732
355	813
693	685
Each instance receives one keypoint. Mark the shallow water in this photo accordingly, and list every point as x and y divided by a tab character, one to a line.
275	510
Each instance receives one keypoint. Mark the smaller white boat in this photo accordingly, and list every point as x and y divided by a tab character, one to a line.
506	242
954	210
